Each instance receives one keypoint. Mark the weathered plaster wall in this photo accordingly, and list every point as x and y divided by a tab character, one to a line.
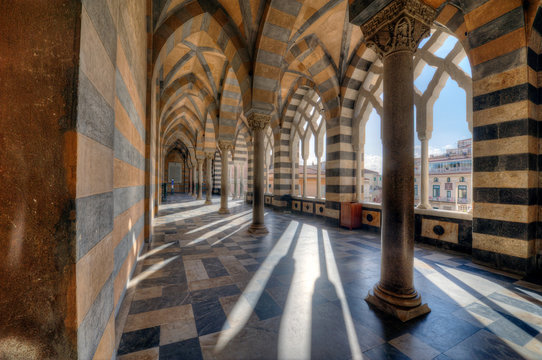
39	50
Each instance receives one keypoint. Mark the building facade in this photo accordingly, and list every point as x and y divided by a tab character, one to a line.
450	178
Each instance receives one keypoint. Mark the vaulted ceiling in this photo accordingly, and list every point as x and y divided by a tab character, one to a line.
209	54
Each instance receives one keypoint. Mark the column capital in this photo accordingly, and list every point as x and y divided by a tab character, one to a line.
398	26
224	145
258	121
209	156
424	135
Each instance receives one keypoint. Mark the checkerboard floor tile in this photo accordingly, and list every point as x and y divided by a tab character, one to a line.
209	290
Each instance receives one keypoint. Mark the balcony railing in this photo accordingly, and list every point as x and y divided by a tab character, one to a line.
461	170
448	199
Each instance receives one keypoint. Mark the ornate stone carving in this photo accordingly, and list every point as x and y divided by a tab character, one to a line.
399	26
209	155
224	145
258	121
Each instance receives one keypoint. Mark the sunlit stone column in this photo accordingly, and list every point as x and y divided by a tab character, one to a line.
304	177
189	181
359	172
293	178
241	180
395	31
195	179
424	128
258	123
235	181
208	195
424	173
224	180
200	179
266	179
318	179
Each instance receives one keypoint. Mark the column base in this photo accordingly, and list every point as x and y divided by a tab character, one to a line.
424	206
223	211
258	229
208	202
199	198
403	307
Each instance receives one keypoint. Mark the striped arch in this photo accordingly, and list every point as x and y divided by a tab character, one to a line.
271	48
289	102
240	149
356	72
282	183
214	21
230	108
191	84
185	117
169	143
209	145
322	71
200	139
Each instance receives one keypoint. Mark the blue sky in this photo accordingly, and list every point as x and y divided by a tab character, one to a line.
449	116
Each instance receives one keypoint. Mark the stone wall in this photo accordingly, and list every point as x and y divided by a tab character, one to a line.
110	169
38	86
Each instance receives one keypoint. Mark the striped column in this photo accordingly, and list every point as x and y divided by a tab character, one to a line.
217	172
250	189
505	137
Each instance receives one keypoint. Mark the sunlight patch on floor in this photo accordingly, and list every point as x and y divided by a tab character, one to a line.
242	310
296	324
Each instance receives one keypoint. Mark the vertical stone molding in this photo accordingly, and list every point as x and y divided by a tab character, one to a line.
394	32
190	178
258	122
224	147
200	179
424	176
359	172
235	180
208	194
194	180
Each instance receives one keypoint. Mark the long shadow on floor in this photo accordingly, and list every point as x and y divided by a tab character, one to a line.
328	328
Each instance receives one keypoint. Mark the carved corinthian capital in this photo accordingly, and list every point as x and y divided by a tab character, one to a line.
399	26
258	121
224	145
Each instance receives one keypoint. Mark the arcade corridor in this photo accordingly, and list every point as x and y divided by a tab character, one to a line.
206	289
301	114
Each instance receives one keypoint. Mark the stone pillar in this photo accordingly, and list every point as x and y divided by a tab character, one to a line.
359	173
304	177
224	180
318	179
266	179
293	177
395	31
258	123
190	178
195	180
235	181
200	179
208	195
241	179
424	174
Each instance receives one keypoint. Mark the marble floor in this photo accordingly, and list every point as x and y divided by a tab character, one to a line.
207	289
